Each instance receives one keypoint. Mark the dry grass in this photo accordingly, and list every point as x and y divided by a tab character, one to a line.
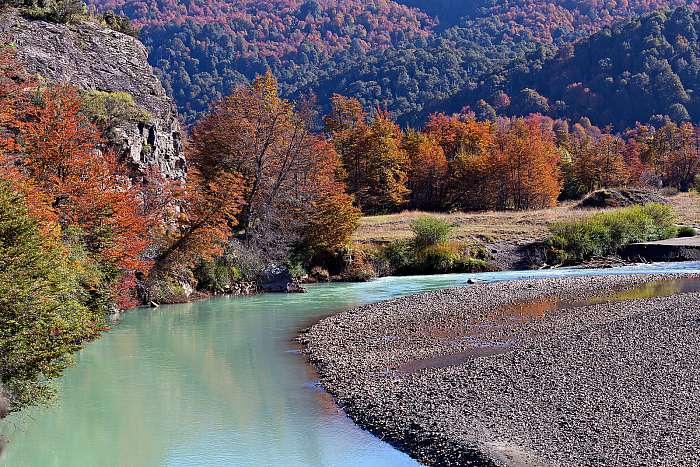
517	227
687	207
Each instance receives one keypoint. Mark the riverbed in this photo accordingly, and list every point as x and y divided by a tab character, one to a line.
220	382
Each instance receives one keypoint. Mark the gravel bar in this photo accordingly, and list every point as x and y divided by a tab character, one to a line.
568	371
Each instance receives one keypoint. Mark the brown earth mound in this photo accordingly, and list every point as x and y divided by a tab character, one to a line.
618	198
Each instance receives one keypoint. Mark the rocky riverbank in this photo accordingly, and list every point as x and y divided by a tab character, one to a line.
542	372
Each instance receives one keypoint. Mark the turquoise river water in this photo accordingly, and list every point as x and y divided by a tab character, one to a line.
219	383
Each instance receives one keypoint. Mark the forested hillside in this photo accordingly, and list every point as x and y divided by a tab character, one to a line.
642	70
408	56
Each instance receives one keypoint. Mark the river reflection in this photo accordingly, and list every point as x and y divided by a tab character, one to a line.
215	384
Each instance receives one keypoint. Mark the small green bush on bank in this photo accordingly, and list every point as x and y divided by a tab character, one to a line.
429	231
605	233
430	252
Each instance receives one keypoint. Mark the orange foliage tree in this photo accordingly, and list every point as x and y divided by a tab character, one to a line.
289	176
528	161
509	164
59	164
598	161
372	155
427	174
200	223
674	153
468	144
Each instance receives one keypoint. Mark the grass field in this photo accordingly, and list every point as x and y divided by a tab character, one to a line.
518	227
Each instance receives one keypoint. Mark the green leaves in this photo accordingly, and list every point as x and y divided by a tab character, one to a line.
605	233
42	320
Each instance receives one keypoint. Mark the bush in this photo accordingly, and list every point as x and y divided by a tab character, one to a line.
686	231
606	233
361	268
119	23
401	255
443	258
56	11
669	191
110	110
438	259
214	276
168	289
429	231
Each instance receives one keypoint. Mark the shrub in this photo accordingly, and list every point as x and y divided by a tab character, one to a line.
56	11
214	276
442	258
112	109
686	231
400	254
361	268
438	259
606	233
669	191
119	23
168	289
296	269
429	231
320	274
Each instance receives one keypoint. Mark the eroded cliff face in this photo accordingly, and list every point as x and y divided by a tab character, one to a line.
94	58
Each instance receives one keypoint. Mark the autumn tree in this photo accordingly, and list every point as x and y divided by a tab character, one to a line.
60	162
674	153
200	222
527	157
332	217
427	174
288	176
13	82
598	161
468	147
372	155
612	169
459	134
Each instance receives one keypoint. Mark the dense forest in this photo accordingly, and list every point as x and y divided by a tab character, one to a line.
643	70
412	57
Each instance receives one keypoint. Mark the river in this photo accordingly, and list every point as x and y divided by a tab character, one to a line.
219	383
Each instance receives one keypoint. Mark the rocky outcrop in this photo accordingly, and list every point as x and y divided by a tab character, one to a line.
95	58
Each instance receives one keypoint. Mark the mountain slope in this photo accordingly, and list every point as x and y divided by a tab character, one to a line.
641	70
404	55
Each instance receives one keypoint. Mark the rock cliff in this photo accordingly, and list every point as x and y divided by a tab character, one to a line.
94	58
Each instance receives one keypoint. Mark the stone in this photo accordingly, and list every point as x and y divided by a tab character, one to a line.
91	57
277	278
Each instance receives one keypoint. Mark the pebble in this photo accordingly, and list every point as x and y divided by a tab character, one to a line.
586	385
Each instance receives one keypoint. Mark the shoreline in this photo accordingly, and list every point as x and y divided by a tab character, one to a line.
445	379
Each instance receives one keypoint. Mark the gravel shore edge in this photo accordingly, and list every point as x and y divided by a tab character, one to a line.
473	376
